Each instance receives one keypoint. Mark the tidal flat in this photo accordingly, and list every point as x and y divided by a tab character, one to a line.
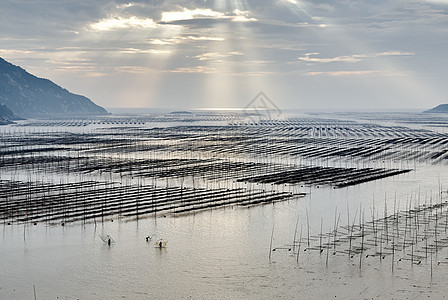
350	206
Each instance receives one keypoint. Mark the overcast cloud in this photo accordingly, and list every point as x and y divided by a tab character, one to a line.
339	54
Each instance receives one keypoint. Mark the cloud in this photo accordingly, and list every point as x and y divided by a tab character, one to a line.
133	69
10	52
125	5
113	23
217	56
162	41
204	38
262	39
143	51
187	14
185	39
242	16
438	1
350	58
195	69
354	73
201	13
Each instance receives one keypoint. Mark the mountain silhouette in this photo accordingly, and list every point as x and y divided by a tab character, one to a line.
29	96
442	108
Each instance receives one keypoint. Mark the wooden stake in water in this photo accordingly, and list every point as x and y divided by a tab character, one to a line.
270	246
362	241
335	220
381	243
300	242
431	265
328	246
408	205
320	235
348	219
335	234
385	220
308	227
393	251
426	237
412	252
295	233
435	232
375	237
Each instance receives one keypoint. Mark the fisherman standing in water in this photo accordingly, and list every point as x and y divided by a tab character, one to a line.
108	241
160	244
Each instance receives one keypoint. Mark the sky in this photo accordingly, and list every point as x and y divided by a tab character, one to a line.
188	54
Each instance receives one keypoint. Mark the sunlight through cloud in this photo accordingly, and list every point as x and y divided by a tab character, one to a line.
150	51
196	69
204	38
355	73
126	5
236	16
187	14
123	23
181	39
350	58
242	16
214	55
438	1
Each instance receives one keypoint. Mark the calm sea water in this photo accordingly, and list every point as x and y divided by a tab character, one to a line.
220	253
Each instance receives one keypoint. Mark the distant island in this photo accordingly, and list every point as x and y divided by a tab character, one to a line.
441	109
25	95
181	113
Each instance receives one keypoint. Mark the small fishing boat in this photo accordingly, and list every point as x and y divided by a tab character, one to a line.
107	239
149	237
161	243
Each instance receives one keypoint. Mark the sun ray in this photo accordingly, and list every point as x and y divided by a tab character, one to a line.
297	8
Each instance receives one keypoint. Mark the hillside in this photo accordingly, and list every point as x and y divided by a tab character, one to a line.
6	115
4	118
29	96
442	108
